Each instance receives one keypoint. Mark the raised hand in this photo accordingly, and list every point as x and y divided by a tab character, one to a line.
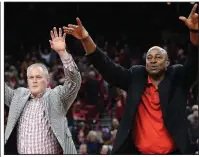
57	41
78	31
192	21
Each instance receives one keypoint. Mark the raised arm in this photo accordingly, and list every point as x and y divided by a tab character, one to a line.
72	83
112	73
192	23
190	69
8	95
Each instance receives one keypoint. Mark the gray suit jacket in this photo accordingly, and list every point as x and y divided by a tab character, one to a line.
59	101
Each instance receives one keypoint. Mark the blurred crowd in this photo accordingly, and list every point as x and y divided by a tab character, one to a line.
96	98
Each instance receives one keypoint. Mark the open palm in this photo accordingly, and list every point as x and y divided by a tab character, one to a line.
57	41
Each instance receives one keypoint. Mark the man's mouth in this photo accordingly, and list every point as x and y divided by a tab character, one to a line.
154	67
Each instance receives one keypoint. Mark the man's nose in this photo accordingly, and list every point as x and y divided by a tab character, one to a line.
153	60
35	80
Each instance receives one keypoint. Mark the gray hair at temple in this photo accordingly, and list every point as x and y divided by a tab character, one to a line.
45	69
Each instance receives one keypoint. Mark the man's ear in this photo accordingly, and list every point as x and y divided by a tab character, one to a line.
27	83
48	82
167	63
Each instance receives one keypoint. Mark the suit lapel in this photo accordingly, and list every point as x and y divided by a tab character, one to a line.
133	100
21	104
134	96
55	120
138	89
15	112
164	88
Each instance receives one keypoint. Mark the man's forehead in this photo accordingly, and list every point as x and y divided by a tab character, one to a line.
36	70
156	50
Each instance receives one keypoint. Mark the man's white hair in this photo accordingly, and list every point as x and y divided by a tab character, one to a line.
45	70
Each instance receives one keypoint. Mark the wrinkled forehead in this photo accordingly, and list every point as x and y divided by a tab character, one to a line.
156	50
37	70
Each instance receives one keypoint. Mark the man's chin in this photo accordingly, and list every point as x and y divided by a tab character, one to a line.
33	92
154	72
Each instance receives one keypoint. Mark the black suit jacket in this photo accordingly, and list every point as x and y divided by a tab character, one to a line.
173	91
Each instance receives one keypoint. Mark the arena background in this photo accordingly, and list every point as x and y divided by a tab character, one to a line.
124	30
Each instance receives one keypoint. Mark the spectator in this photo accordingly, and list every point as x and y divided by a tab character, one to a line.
92	142
115	124
83	149
106	136
104	150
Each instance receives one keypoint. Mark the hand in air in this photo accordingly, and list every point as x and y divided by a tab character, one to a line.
78	31
192	21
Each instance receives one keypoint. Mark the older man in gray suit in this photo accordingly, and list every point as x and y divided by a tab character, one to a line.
36	122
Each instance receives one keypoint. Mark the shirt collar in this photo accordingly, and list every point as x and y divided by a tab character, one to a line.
38	95
149	82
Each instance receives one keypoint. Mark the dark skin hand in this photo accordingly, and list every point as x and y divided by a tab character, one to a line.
192	23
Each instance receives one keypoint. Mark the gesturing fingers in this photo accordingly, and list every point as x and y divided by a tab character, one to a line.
72	26
60	32
64	35
52	35
55	32
68	30
193	10
79	22
51	43
183	18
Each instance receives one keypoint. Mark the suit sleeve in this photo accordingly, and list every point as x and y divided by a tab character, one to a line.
190	69
72	83
8	95
113	73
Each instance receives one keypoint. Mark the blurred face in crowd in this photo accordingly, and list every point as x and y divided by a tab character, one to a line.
37	80
92	74
104	150
92	138
83	149
156	61
115	123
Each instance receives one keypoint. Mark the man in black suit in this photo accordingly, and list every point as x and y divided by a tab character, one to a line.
154	120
